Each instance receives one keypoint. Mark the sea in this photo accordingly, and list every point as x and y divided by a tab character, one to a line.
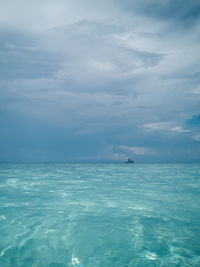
99	215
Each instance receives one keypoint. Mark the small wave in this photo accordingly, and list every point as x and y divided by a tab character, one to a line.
75	262
151	255
4	250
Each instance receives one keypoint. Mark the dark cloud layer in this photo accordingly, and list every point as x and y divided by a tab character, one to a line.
100	81
187	12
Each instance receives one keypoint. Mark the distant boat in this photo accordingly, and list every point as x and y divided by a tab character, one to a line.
128	160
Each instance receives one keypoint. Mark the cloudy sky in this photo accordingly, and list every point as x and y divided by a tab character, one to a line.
88	80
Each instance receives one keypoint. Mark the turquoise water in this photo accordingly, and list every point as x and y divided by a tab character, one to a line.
99	215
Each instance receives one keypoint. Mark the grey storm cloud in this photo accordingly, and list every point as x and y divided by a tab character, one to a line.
104	74
179	10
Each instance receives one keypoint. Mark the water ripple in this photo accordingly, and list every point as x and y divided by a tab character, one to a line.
88	215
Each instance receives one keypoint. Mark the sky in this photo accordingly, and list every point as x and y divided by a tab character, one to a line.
100	81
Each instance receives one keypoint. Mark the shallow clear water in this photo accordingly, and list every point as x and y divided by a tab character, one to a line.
92	215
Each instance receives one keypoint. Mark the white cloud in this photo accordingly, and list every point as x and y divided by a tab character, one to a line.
39	16
137	150
158	126
196	137
196	91
179	129
102	65
165	126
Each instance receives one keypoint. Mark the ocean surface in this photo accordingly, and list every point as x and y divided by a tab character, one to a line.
99	215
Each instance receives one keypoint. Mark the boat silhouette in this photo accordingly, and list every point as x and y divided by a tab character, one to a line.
128	160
